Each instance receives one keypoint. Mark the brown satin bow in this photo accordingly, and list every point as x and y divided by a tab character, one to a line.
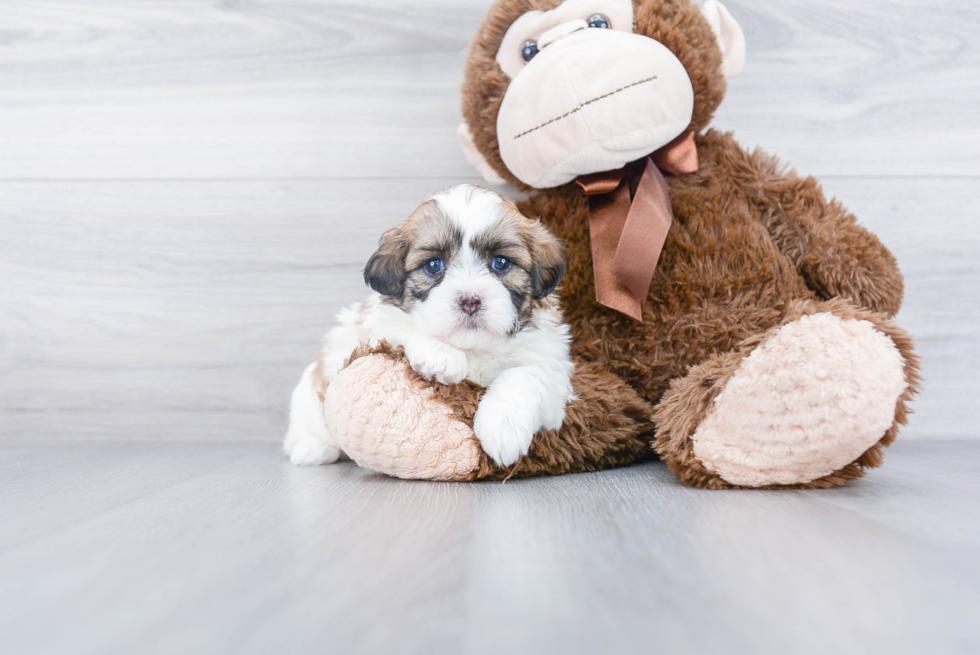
627	238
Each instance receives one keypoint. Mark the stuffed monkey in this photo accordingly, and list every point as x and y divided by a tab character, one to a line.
726	317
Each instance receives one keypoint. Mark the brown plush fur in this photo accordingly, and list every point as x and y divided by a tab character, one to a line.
747	245
752	247
730	266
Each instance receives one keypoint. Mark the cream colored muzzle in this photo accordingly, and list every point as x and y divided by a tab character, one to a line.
592	100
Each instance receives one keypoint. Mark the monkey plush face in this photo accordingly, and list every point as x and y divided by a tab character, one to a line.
584	86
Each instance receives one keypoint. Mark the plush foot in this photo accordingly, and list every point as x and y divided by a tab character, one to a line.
800	409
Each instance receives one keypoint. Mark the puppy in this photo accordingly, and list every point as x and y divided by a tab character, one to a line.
466	286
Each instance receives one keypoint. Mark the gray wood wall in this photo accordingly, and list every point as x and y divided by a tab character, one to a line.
189	189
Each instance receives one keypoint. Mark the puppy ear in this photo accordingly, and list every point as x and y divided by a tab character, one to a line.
548	257
385	271
730	37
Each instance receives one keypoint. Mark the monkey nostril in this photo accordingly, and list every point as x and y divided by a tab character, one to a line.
469	303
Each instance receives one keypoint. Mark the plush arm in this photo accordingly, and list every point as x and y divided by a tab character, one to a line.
836	256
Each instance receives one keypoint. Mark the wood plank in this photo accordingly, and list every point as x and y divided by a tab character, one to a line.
883	87
47	485
258	556
931	226
178	310
195	89
109	89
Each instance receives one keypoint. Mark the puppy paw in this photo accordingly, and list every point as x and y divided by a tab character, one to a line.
313	452
439	362
504	431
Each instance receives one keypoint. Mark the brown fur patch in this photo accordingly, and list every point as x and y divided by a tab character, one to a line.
505	238
431	234
541	260
548	255
395	270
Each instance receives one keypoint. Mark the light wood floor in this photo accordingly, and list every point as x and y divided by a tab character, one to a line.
188	192
126	548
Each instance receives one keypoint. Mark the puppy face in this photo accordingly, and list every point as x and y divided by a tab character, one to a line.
468	266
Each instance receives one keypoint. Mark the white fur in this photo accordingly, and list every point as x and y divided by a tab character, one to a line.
527	373
308	441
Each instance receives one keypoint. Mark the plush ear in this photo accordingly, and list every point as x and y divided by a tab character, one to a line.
730	37
548	257
385	271
474	157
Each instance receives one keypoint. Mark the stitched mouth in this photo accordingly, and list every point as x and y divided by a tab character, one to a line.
581	106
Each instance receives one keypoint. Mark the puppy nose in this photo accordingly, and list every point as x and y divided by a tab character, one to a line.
469	302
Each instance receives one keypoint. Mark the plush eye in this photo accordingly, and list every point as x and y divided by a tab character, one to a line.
600	21
434	266
528	50
500	264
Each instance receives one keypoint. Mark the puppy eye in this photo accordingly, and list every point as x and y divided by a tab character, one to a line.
528	50
434	266
600	21
500	264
